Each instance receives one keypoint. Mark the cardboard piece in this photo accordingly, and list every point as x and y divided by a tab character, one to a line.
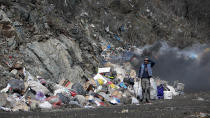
104	70
99	76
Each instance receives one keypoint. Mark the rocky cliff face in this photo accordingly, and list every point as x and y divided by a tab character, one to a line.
64	38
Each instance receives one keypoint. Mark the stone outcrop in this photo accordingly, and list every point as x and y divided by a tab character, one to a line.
64	38
55	59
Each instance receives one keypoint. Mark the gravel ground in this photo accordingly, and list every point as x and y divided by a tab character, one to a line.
187	106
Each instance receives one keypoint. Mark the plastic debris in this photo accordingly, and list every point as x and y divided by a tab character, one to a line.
54	100
17	85
5	109
81	99
108	87
20	106
27	75
174	93
45	105
78	88
99	76
134	101
38	87
122	84
153	89
73	93
168	95
180	87
66	83
64	99
160	90
114	101
100	81
117	37
138	89
109	47
40	96
124	111
200	99
104	70
6	89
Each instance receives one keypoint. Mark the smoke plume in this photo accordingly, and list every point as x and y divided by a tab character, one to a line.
190	66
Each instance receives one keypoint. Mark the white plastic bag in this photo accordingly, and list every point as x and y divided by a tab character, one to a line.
5	109
174	93
167	95
6	89
138	89
45	105
180	87
134	101
36	86
64	91
28	76
153	89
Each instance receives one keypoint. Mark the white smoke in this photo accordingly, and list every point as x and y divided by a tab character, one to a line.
189	65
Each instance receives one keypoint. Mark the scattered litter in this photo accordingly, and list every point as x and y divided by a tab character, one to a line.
78	88
6	89
38	87
20	106
122	84
99	76
114	101
40	96
104	70
5	109
17	85
109	47
160	90
174	93
203	115
134	101
66	83
89	107
200	99
180	87
45	105
138	89
153	89
167	95
124	111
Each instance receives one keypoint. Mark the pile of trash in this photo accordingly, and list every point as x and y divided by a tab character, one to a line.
112	85
116	55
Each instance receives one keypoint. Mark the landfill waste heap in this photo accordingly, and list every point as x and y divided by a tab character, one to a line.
108	87
77	53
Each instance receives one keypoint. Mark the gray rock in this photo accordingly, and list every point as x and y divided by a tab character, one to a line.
55	59
1	17
124	6
11	41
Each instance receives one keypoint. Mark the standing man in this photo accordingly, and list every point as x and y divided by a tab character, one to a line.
145	73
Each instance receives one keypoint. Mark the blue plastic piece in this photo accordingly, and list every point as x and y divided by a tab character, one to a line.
122	84
160	93
117	37
109	47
